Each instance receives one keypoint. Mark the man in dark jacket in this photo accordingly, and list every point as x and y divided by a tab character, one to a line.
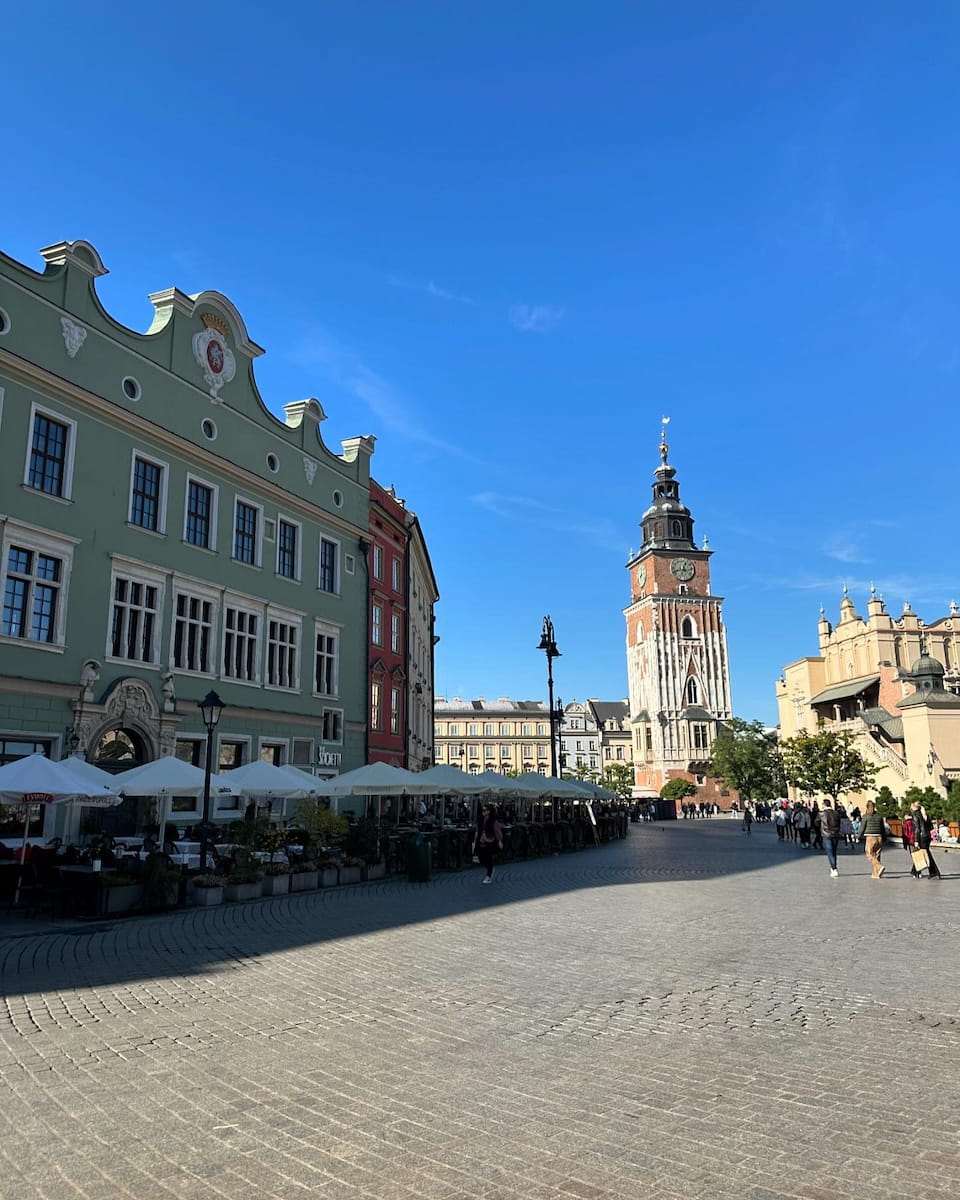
921	835
830	833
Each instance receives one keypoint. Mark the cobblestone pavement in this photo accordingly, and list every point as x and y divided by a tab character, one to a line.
689	1013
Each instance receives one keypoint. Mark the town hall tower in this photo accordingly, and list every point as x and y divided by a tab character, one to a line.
677	666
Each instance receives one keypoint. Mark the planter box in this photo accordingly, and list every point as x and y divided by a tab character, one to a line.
303	881
374	871
349	874
204	896
329	877
243	891
276	885
121	899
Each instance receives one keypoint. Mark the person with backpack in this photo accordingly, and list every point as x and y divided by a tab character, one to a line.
872	830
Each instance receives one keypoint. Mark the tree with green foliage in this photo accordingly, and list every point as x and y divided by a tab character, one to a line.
887	803
618	778
581	771
746	757
934	804
325	827
678	789
826	763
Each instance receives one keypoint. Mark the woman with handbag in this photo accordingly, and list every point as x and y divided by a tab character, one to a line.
489	838
921	856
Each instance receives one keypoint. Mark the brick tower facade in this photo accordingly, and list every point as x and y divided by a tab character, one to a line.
677	666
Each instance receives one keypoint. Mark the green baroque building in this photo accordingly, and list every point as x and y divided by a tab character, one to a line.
162	534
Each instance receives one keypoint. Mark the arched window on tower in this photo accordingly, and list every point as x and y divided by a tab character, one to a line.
693	691
898	651
659	532
677	529
687	628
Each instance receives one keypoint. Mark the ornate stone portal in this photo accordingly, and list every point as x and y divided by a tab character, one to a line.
130	704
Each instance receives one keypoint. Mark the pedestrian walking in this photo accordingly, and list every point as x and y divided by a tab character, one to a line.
747	819
922	826
489	839
830	835
801	822
815	827
871	830
780	820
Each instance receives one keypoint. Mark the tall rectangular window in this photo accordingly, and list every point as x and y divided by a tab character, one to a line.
287	549
376	629
488	730
231	755
240	641
146	495
376	690
193	633
504	730
395	568
325	677
378	562
328	565
198	530
394	710
282	664
136	609
700	737
47	470
245	533
31	595
395	632
332	725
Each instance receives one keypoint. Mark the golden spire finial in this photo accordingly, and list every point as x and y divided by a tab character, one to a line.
664	448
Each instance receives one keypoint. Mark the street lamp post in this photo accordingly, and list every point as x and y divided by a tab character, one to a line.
211	706
548	645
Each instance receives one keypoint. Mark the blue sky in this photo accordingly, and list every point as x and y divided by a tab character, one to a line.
507	238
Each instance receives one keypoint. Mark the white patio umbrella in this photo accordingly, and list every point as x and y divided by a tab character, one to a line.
259	778
88	772
36	779
170	776
451	781
376	779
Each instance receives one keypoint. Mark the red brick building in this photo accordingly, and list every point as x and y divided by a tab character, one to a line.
387	651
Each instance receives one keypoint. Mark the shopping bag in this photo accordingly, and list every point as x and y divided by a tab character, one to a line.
921	860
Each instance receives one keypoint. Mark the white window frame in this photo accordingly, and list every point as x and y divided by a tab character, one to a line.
335	542
41	410
294	621
298	556
396	574
214	511
395	710
258	540
376	705
240	604
310	743
395	633
284	743
211	596
337	714
377	562
242	739
39	541
161	528
334	631
137	573
376	624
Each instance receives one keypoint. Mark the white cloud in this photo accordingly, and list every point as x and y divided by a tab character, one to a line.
526	510
345	368
535	318
430	288
843	546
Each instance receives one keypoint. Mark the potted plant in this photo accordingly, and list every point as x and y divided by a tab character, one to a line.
276	879
161	883
328	870
119	892
303	876
373	870
244	883
207	889
350	869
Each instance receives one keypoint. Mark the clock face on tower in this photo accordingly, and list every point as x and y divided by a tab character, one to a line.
682	569
641	575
